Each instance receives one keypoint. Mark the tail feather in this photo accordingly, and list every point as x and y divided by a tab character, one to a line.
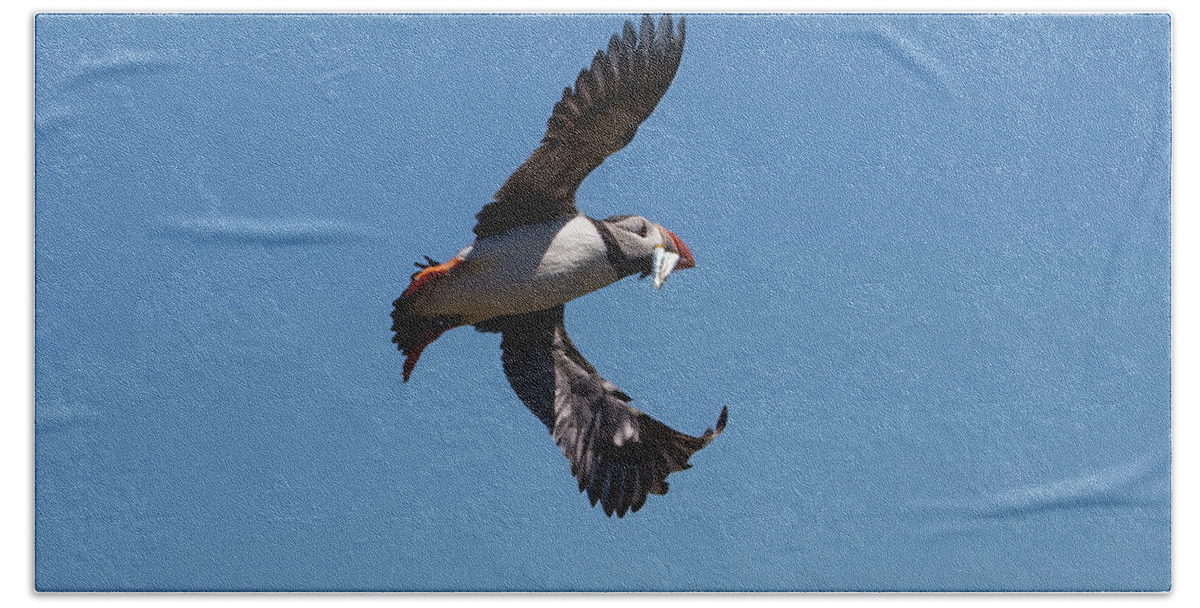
413	332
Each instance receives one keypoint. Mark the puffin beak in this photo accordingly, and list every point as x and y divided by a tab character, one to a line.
685	255
666	262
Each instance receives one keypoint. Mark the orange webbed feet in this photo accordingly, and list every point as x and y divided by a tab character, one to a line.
429	273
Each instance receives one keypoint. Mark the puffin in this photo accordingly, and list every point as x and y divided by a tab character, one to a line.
534	251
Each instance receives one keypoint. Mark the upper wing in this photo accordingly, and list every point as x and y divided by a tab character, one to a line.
602	114
618	453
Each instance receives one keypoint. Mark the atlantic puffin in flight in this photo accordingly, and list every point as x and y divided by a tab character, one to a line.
534	251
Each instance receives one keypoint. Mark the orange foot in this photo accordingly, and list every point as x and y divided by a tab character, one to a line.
412	354
429	273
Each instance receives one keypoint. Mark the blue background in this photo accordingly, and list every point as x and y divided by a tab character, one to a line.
932	286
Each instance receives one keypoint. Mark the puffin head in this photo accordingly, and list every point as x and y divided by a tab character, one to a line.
653	250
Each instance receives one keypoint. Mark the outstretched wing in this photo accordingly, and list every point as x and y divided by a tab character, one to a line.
618	453
597	118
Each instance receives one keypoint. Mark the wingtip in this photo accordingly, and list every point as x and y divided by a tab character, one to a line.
646	33
710	434
628	34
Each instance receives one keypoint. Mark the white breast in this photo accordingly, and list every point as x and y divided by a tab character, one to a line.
525	269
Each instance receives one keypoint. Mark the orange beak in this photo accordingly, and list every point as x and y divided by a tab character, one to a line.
685	255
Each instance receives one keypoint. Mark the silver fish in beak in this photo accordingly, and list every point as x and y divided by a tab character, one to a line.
664	263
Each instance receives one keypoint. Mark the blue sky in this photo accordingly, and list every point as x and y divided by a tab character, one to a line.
932	286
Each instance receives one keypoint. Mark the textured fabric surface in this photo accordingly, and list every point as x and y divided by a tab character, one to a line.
932	285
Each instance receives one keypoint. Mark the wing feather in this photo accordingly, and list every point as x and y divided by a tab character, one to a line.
618	453
610	99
